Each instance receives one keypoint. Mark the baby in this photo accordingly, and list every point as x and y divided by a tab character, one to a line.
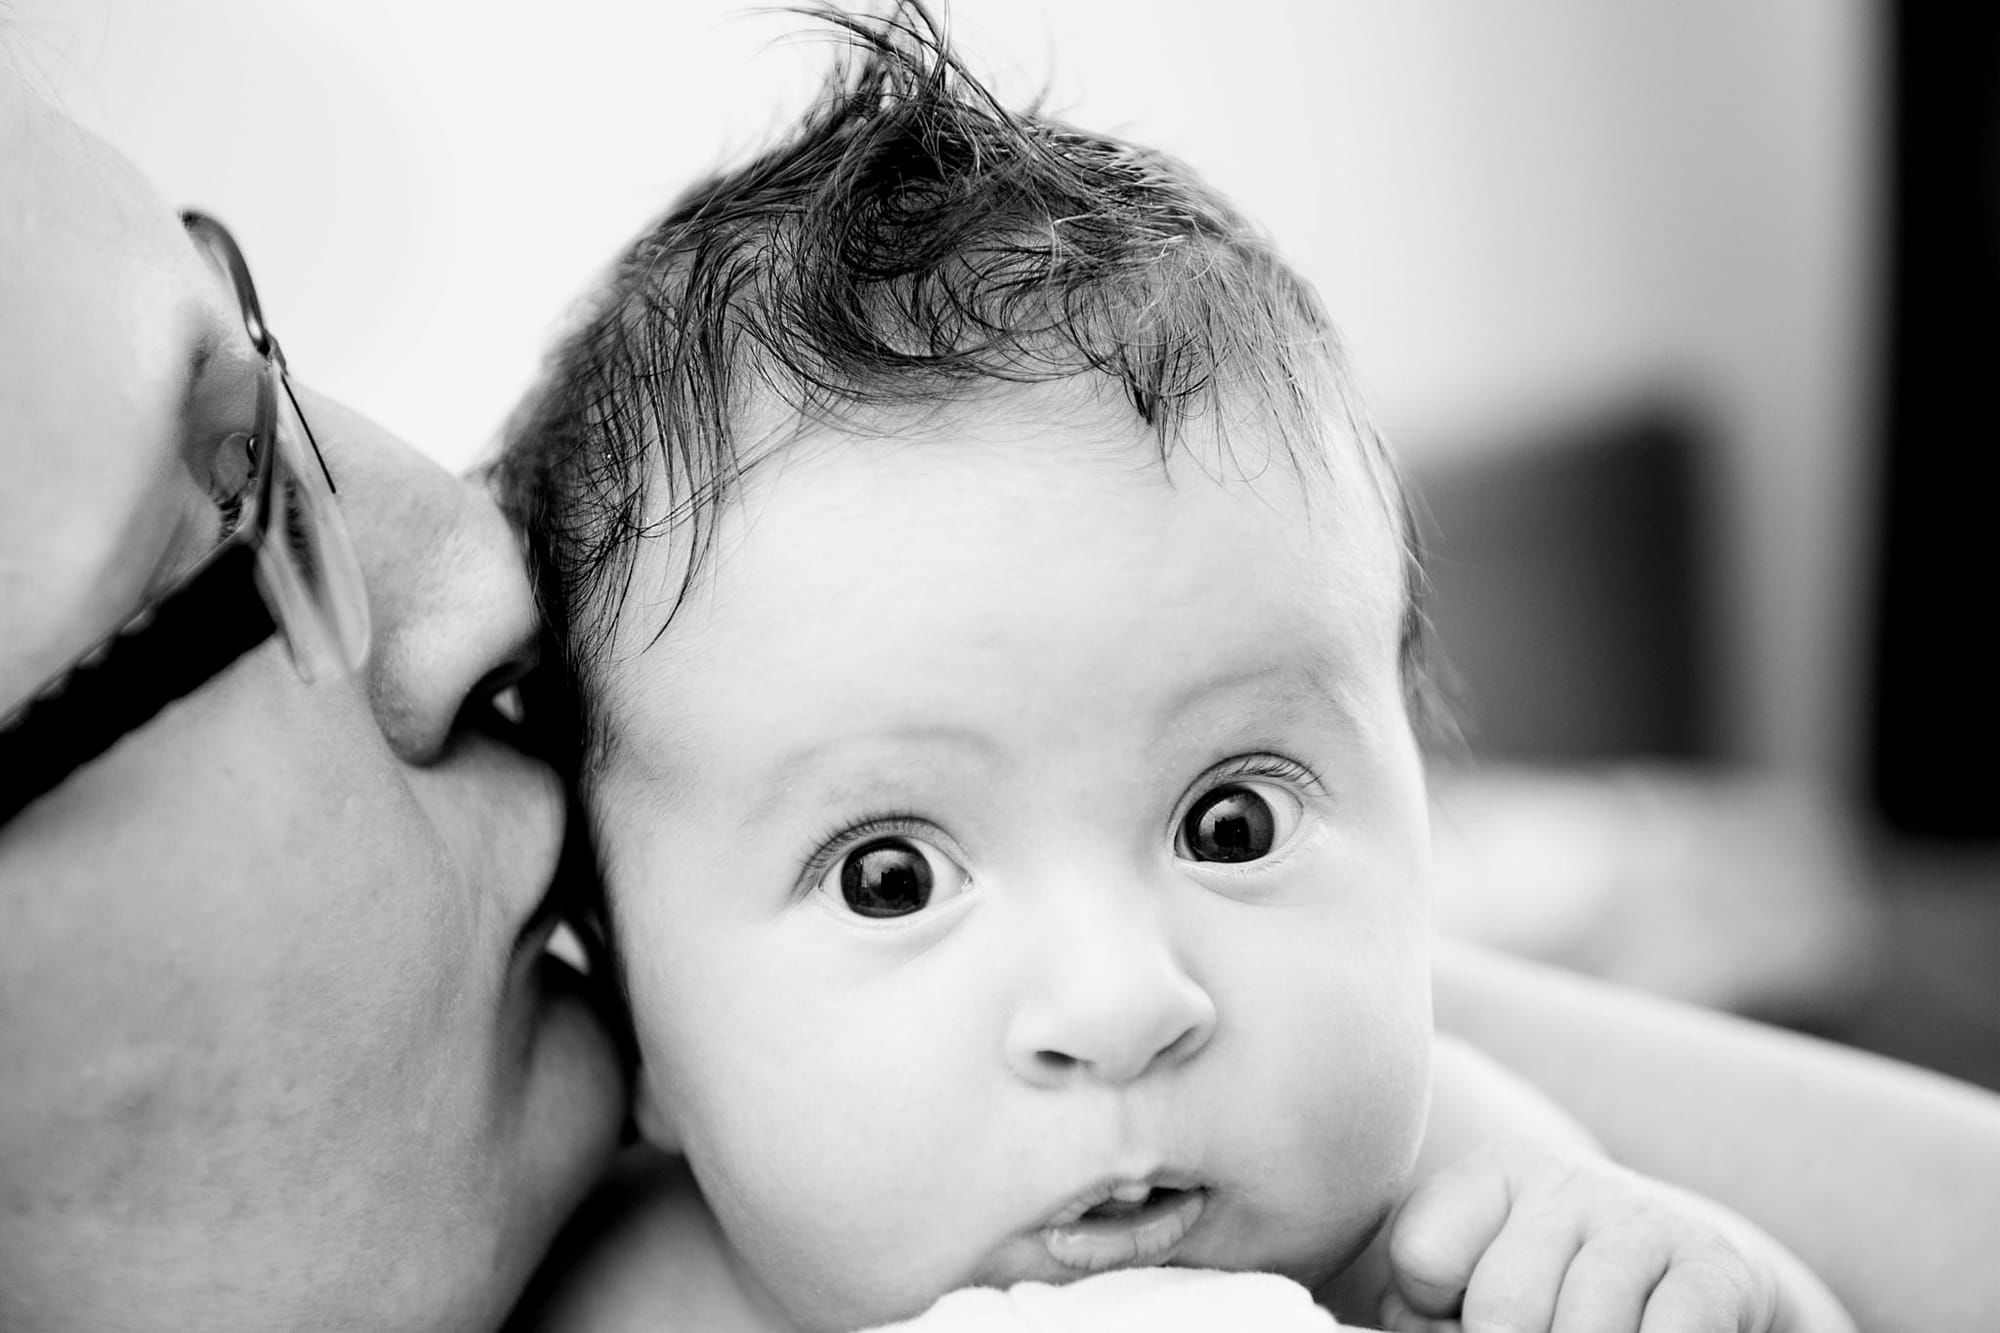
999	642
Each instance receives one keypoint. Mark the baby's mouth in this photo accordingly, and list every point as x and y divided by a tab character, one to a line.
1127	1225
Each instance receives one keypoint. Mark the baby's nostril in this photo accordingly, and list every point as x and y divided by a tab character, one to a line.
1055	1061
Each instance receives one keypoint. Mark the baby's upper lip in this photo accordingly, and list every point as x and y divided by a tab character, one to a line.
1131	1187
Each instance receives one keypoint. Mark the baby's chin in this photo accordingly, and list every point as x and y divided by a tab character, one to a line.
833	1303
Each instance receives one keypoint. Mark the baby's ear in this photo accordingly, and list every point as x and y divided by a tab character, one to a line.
655	1125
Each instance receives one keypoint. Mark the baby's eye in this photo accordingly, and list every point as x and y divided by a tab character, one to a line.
1240	820
893	876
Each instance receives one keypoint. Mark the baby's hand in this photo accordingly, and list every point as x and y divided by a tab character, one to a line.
1531	1241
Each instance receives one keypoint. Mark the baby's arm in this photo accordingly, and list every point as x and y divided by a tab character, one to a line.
1884	1179
1528	1239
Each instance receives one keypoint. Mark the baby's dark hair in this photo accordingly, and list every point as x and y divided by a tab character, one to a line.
911	246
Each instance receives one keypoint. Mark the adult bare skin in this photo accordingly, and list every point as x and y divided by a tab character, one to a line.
281	1045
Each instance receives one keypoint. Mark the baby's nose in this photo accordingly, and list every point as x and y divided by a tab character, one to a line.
1110	1002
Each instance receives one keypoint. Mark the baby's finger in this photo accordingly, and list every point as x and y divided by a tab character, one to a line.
1397	1317
1607	1287
1698	1298
1516	1284
1439	1233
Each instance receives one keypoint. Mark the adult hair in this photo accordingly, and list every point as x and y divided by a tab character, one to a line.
910	246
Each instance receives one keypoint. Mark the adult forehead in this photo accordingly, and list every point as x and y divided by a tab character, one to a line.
100	298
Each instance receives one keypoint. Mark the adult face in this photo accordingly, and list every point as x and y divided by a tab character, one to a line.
282	1046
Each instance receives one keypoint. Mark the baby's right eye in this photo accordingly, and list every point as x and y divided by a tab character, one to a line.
893	875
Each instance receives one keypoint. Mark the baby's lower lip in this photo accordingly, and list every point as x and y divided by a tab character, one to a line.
1148	1236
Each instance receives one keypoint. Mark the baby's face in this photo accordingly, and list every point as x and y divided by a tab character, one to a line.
1019	857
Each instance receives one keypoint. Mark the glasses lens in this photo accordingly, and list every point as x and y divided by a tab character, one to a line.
306	564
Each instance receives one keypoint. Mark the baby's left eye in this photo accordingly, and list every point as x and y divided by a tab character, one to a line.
1241	820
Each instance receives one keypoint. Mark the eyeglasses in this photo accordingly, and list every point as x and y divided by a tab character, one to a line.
282	562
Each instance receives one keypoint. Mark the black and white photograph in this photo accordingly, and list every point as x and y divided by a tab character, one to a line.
998	666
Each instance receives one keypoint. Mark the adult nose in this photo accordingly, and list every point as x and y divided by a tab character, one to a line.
452	611
1109	998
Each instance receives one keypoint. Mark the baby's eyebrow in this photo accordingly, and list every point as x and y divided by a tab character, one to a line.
1306	682
847	761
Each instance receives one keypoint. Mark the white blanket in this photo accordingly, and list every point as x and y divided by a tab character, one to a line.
1136	1300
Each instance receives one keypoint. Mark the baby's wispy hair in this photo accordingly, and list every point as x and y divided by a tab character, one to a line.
910	246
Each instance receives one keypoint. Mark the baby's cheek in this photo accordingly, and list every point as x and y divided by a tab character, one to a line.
1361	1038
657	1107
667	1003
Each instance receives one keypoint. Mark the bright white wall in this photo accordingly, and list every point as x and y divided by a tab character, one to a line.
1519	210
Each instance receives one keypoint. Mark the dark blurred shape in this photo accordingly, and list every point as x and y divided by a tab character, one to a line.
1932	994
1935	741
1566	591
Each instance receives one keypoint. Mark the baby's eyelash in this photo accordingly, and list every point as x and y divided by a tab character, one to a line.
1275	766
842	838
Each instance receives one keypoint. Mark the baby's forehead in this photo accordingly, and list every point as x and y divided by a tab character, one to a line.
1010	459
1304	450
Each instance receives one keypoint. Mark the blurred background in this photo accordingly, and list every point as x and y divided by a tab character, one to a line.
1682	312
